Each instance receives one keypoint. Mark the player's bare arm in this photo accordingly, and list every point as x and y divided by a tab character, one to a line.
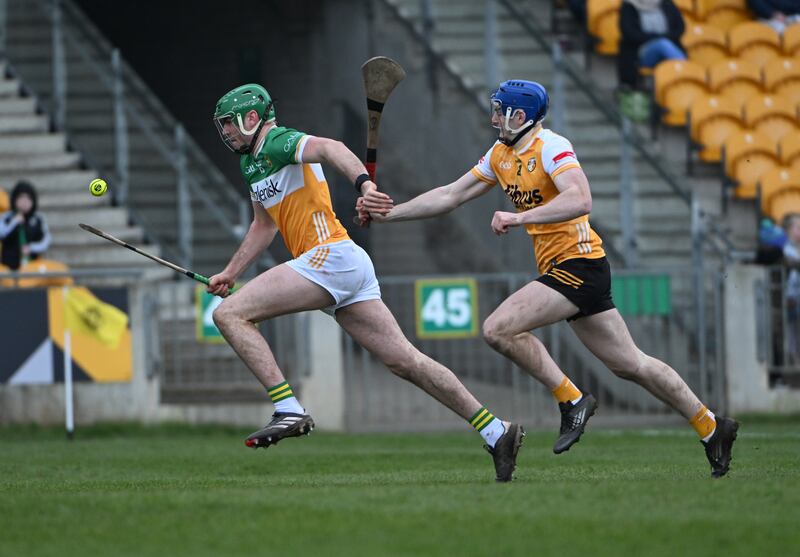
437	201
573	200
258	238
336	154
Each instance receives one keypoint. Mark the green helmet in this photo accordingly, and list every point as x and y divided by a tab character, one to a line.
232	108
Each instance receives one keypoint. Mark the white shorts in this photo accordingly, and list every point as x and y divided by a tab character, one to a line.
343	269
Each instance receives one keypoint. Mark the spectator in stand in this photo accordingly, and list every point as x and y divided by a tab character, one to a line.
650	31
791	254
23	231
778	14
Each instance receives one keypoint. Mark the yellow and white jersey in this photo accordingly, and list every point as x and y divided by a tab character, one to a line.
295	194
526	175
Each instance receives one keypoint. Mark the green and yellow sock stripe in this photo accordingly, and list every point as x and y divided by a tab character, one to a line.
481	419
280	392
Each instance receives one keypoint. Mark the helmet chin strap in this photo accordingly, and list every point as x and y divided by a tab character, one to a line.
516	133
252	132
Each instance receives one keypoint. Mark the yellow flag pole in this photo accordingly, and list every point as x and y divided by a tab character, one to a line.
70	418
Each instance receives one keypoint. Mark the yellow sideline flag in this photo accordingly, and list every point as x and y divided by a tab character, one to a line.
86	314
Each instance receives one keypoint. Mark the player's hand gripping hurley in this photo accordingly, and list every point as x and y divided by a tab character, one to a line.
179	269
381	76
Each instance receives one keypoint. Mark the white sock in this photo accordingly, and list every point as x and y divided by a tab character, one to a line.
492	432
290	404
576	400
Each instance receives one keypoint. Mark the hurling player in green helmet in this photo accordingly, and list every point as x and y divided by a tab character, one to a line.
328	271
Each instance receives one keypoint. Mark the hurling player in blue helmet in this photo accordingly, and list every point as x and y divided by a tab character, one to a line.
540	173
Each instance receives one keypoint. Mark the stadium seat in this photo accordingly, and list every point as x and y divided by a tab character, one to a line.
790	150
44	266
782	77
791	40
7	282
749	155
713	118
677	84
724	14
772	115
757	42
603	24
780	192
704	44
736	79
5	205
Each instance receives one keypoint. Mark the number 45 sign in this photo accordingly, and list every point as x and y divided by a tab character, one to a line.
446	308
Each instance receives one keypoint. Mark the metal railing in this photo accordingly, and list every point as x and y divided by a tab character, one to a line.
135	112
780	338
379	401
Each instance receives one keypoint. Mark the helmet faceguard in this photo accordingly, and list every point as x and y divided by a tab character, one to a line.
231	112
514	96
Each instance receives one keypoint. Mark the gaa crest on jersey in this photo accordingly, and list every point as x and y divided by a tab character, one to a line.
531	164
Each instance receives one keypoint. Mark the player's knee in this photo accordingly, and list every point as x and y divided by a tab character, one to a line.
402	366
629	368
493	333
222	316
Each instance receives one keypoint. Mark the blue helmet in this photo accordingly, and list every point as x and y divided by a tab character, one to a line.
518	94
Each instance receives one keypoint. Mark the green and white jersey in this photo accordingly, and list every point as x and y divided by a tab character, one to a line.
294	194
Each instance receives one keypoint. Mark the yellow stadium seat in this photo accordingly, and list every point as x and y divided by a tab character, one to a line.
737	79
725	14
5	205
748	155
757	42
713	119
704	44
791	40
603	24
677	84
782	77
7	282
772	115
780	192
790	150
688	9
44	266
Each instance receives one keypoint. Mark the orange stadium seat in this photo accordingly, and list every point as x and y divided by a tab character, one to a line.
790	150
603	24
687	8
754	41
44	266
6	281
737	79
677	84
724	14
5	204
704	44
772	115
791	40
782	77
713	119
748	155
780	192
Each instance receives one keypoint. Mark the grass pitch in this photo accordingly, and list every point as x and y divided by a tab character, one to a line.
172	490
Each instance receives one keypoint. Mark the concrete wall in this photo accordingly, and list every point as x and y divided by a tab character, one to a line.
748	381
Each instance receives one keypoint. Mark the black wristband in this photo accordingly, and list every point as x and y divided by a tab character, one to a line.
360	182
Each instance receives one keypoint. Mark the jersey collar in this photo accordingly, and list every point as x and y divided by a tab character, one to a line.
528	143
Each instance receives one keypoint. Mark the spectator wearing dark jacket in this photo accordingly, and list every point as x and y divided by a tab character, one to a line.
650	31
23	230
778	14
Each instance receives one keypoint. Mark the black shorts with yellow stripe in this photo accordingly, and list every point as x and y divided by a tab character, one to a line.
584	282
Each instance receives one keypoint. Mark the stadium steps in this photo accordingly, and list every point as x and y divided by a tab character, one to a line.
458	35
28	151
89	123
